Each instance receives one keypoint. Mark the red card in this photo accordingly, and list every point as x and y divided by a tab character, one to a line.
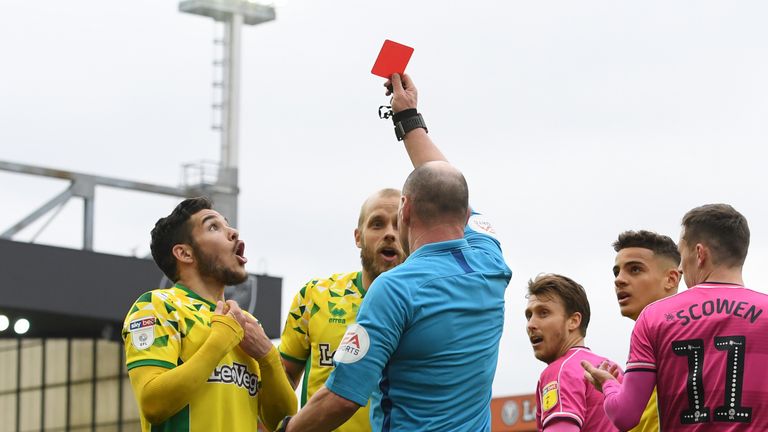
393	58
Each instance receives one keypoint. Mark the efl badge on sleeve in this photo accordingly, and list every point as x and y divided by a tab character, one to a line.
549	396
354	345
478	223
142	332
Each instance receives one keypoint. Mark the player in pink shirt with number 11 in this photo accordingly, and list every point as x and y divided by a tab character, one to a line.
705	348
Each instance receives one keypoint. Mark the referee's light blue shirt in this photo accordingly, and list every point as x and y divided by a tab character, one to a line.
427	337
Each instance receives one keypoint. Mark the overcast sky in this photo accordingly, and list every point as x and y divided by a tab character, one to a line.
572	122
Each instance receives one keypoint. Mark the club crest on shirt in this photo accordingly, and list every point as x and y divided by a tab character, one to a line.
549	396
354	345
478	223
142	332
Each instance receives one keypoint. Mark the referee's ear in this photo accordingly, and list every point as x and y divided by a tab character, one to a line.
405	210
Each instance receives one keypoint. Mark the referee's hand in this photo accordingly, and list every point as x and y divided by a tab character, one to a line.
403	91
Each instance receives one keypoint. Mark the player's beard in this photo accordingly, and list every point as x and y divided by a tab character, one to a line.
370	266
208	266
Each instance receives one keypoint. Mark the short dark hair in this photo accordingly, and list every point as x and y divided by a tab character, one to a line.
571	293
172	230
721	228
660	245
436	193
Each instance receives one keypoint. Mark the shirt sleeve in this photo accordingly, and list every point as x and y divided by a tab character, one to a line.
151	332
538	406
280	399
368	344
565	397
294	342
641	353
480	233
562	425
624	403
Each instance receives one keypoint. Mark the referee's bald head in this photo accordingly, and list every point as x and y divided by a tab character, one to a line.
437	192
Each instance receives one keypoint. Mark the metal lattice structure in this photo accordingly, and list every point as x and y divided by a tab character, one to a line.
223	190
83	186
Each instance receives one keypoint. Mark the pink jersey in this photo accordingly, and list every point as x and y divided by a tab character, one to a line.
709	348
562	392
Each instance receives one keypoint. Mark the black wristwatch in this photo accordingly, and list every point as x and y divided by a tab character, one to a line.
406	125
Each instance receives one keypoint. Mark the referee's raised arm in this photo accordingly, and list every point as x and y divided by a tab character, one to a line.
409	124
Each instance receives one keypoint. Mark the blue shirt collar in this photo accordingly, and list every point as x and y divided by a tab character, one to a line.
439	247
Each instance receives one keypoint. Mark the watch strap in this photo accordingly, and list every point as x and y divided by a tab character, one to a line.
404	126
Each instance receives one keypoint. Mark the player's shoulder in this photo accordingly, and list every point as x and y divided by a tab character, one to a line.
481	235
400	285
553	373
581	353
590	356
343	279
760	296
152	298
571	361
569	365
147	307
334	281
408	275
553	369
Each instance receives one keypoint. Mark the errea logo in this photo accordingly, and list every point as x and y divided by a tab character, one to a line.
238	375
337	314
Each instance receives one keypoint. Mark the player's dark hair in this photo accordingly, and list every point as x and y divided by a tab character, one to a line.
660	245
571	293
721	228
172	230
437	193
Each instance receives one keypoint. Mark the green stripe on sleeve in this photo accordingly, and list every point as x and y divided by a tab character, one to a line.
293	359
151	362
305	381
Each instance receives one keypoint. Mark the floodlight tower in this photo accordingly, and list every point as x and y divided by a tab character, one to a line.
233	14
